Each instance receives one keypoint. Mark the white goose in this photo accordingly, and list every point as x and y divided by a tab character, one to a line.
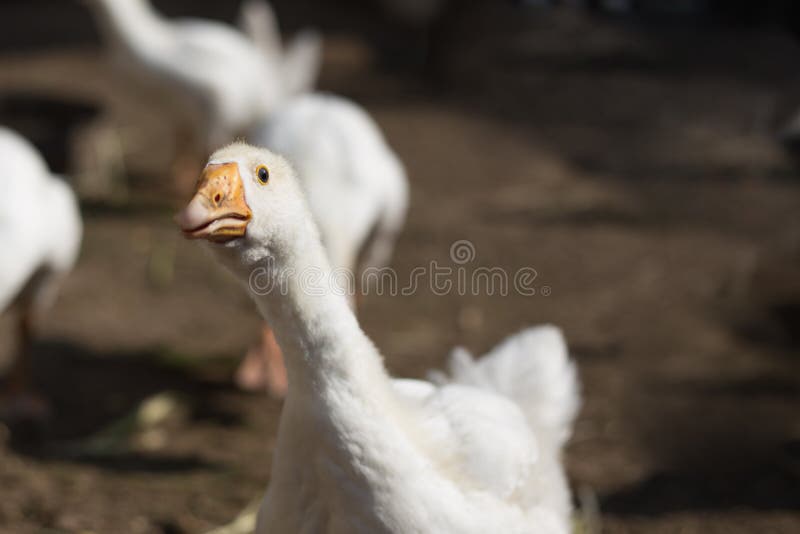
207	72
355	184
40	236
357	190
298	62
358	452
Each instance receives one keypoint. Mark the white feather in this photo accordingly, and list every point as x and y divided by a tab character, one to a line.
258	20
533	369
358	452
298	63
355	185
210	70
40	225
302	60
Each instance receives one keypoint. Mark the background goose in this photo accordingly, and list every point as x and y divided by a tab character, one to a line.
357	190
208	73
355	185
356	450
298	62
40	236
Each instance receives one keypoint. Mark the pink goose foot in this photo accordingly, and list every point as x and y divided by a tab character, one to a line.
262	367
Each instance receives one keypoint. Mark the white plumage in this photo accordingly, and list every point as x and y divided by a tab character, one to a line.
205	68
465	457
355	185
298	62
533	369
358	452
357	190
40	236
40	225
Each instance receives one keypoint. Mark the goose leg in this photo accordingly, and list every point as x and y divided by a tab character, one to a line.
18	400
19	376
263	367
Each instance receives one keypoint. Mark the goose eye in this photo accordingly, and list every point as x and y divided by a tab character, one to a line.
263	174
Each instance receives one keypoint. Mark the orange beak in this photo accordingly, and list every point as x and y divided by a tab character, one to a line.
218	212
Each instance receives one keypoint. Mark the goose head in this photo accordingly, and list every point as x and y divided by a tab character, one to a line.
248	206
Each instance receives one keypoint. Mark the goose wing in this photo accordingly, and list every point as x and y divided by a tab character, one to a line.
484	438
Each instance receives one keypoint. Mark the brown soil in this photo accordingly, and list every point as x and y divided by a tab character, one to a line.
635	169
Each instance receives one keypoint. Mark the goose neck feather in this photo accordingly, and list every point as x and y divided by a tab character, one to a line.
321	339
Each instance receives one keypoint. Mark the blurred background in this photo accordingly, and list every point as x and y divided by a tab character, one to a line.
639	155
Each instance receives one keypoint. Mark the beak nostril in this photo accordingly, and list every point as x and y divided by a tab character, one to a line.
217	198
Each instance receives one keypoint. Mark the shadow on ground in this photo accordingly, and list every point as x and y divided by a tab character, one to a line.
94	395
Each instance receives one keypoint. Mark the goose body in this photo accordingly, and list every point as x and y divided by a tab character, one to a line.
40	236
354	183
298	62
40	225
412	456
358	451
208	69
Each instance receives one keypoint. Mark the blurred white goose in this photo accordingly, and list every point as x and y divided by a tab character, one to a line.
355	184
358	452
357	190
40	236
298	62
207	72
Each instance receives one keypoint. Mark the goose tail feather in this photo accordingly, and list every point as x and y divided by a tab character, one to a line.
533	369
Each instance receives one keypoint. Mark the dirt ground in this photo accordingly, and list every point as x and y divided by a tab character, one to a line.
636	169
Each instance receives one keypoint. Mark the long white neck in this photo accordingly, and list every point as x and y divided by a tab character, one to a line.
343	433
322	343
131	26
